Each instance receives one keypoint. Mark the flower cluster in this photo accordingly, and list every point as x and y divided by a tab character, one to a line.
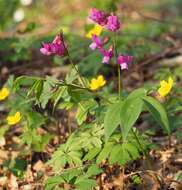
112	23
56	47
124	60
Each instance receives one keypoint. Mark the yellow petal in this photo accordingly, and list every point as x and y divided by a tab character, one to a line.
97	83
94	84
101	80
89	34
163	83
14	119
165	87
162	92
4	93
96	30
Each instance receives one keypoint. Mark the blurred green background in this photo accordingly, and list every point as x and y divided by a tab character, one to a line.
148	28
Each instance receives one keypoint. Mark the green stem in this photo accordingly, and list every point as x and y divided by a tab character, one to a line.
143	150
119	71
119	81
63	83
76	69
71	62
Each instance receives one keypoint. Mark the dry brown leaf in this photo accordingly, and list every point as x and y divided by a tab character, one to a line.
3	181
2	141
3	156
39	166
13	184
29	174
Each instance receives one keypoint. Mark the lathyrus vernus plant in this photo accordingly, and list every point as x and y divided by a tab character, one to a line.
109	134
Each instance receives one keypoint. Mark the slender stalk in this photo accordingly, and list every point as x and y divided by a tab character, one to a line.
119	71
70	60
76	69
63	83
144	152
119	82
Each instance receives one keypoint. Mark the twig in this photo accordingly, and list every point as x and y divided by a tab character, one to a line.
164	179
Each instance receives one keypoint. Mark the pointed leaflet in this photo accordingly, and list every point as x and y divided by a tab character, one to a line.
158	112
112	119
138	93
130	112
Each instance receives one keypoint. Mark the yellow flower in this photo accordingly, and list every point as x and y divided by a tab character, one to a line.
97	82
165	87
14	119
4	93
96	30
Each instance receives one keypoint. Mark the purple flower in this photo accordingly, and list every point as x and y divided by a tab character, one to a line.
113	23
57	47
124	60
100	17
108	54
97	42
46	49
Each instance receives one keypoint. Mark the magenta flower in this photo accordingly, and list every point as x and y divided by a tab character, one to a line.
113	23
124	61
57	47
58	39
108	54
97	42
100	17
46	49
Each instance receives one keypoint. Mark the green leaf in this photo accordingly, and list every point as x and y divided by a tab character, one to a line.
179	176
71	76
85	184
81	114
93	170
116	154
105	152
138	93
39	89
83	109
9	83
65	105
52	182
112	119
129	113
158	112
46	94
78	95
123	153
60	93
136	179
23	80
91	154
16	166
35	119
41	142
70	174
